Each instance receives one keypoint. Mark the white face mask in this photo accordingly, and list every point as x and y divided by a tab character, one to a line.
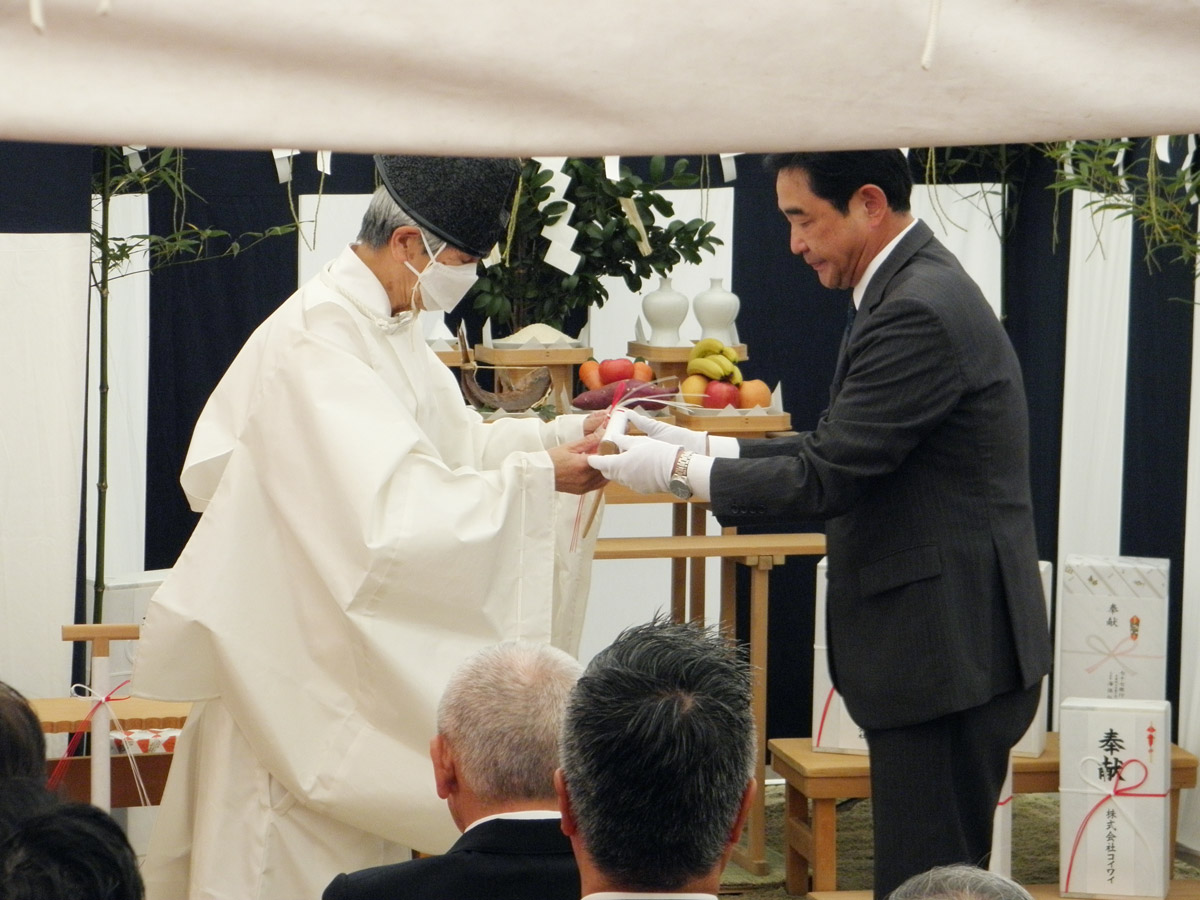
442	286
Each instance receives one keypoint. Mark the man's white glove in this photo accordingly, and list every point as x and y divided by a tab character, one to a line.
643	465
696	441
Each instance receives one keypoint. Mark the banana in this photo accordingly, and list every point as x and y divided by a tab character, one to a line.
706	366
735	377
723	362
729	353
705	347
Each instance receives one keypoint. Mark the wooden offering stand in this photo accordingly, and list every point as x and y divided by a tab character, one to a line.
668	361
561	361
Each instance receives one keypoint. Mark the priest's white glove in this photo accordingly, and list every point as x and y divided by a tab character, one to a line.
696	441
643	465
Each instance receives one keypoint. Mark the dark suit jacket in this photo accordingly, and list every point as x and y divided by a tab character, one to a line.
920	467
504	859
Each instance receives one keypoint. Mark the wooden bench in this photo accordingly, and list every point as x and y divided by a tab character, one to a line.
810	835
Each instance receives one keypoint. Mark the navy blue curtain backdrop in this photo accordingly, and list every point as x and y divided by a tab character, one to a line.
46	188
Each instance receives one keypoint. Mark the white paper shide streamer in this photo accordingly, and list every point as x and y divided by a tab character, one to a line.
561	235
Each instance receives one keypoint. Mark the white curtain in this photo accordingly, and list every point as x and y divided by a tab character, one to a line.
1093	426
43	296
1189	664
966	218
542	76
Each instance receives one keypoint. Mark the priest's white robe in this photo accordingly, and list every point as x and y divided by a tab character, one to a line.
363	532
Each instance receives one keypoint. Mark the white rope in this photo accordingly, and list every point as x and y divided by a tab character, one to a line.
935	14
84	691
37	13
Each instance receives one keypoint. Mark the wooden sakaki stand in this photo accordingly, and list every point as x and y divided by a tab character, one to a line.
102	779
689	541
561	361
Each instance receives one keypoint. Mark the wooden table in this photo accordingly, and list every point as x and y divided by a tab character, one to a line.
67	715
761	553
824	778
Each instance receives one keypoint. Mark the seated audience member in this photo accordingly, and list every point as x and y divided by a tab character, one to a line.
22	761
71	851
21	799
494	758
22	744
658	752
959	882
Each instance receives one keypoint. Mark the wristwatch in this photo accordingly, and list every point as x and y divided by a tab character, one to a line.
679	485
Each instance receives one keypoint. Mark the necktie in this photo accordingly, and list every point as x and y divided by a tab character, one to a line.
840	371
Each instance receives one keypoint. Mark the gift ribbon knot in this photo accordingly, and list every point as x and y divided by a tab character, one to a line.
1115	790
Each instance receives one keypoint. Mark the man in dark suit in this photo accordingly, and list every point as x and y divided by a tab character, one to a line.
920	467
658	752
494	759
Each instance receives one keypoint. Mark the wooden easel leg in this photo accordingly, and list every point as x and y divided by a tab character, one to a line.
753	856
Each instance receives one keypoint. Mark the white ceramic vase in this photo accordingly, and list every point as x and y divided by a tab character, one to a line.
715	309
664	310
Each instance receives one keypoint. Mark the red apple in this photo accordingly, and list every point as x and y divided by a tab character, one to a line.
616	369
720	394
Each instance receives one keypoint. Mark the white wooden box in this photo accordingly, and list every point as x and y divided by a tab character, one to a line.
1111	633
1114	798
1033	742
833	731
1000	861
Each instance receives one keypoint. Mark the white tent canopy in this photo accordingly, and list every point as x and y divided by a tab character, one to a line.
619	77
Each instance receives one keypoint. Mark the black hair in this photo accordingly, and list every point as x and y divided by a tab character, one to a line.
73	851
836	175
657	750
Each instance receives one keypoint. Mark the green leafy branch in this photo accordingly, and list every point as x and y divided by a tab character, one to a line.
1005	165
186	242
1133	184
523	288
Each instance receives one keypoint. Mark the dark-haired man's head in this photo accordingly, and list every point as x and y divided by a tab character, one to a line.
72	851
842	208
658	751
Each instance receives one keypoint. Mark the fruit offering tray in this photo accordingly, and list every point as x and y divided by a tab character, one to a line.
732	421
654	354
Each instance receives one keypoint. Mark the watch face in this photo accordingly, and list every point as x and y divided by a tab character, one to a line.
680	489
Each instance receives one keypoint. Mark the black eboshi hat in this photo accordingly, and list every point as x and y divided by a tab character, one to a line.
463	200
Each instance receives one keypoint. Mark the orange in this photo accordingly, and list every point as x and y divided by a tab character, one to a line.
753	392
692	389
